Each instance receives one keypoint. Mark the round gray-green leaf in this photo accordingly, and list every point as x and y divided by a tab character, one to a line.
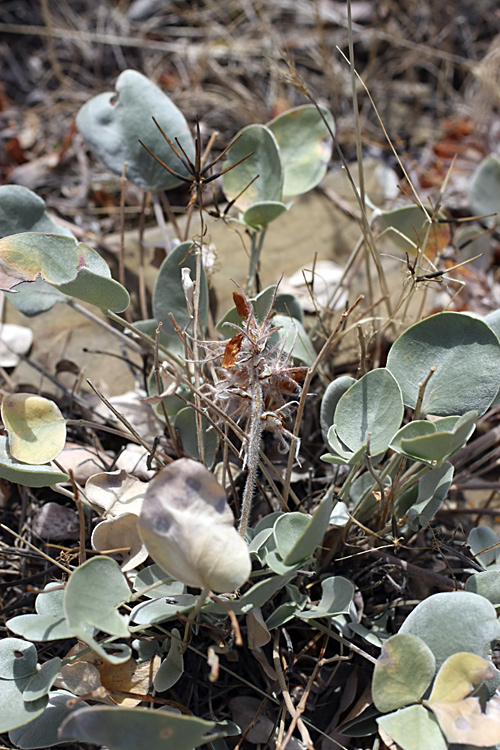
257	595
93	594
163	609
332	396
22	210
336	598
305	146
371	409
164	585
91	599
466	354
49	624
294	339
168	295
70	266
113	122
436	440
35	297
15	710
172	666
484	189
287	304
41	682
28	475
17	659
432	490
264	163
41	627
486	584
413	728
493	320
41	733
185	424
482	538
298	535
403	672
130	728
263	213
408	227
454	621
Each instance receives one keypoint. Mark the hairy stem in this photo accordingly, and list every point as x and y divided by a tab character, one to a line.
252	458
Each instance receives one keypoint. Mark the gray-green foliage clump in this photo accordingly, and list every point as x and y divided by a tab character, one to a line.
224	391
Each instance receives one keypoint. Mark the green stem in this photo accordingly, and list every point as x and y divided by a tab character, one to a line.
256	249
194	613
151	586
347	484
414	478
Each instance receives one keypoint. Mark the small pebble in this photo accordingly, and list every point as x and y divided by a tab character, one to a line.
55	523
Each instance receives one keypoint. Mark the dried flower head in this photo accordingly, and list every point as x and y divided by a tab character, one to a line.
255	382
254	370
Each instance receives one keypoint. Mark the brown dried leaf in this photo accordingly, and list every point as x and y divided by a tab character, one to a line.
231	351
464	723
83	461
90	672
129	677
170	380
80	678
120	533
242	305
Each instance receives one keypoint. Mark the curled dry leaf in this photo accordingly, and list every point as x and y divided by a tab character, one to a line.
243	306
84	461
115	493
463	721
170	378
89	672
134	460
118	496
231	351
187	527
80	678
120	536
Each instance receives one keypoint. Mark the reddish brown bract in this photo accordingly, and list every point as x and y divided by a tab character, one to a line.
231	351
243	306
